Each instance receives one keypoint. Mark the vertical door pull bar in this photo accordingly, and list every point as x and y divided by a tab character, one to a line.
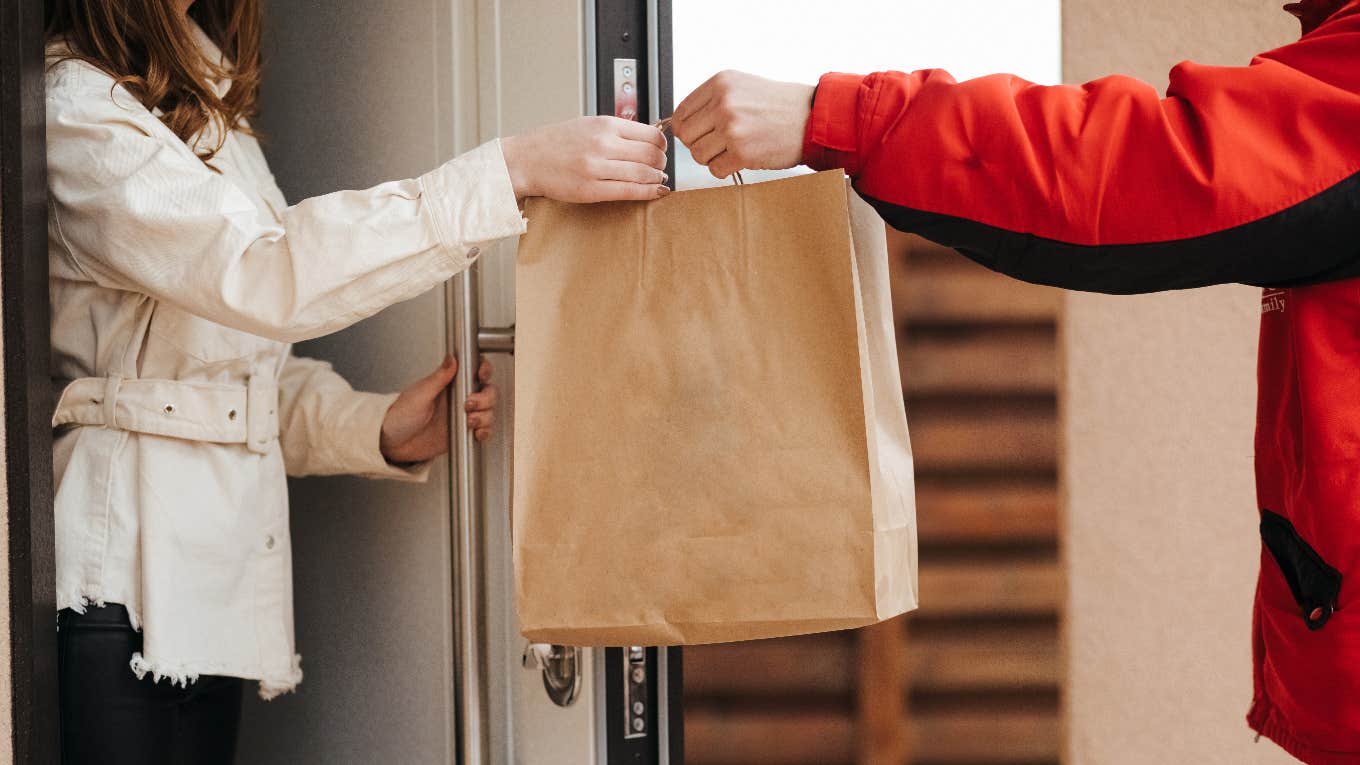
471	656
473	659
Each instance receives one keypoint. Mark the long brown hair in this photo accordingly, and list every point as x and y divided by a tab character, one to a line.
148	46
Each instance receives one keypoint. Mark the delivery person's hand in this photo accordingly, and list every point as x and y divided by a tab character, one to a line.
589	159
737	121
416	427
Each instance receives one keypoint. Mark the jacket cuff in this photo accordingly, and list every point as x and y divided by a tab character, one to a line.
831	139
356	437
471	203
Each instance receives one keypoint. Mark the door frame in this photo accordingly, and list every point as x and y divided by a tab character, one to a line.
27	386
641	30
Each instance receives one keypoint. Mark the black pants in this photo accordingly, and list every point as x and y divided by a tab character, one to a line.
110	717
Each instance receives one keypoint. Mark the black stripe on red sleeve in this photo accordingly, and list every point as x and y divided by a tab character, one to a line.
1314	241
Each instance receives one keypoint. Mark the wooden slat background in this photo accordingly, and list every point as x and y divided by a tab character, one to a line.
974	677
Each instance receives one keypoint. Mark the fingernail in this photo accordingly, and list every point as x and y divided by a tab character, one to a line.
662	191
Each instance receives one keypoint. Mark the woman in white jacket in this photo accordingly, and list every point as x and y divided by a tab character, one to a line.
179	277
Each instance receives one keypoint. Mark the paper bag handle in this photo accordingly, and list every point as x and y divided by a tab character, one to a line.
664	125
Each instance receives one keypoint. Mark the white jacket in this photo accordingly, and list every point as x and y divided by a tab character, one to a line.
176	291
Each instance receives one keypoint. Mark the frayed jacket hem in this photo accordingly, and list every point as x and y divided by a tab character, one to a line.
78	600
182	673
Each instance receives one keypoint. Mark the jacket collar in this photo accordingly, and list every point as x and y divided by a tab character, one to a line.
212	53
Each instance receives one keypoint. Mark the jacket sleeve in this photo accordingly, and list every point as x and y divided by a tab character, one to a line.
1240	174
328	428
136	210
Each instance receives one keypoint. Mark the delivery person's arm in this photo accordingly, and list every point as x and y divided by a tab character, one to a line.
1241	174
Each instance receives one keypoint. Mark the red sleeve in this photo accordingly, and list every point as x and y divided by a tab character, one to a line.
1109	164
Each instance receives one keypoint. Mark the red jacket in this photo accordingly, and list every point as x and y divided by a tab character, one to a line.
1241	174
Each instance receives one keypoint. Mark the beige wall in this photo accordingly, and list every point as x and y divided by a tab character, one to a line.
1159	394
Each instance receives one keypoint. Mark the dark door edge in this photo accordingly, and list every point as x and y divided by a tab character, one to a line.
27	385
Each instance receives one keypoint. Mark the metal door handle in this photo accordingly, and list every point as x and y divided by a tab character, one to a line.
496	340
561	668
473	658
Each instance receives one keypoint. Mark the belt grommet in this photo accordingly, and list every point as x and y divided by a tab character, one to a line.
169	408
231	415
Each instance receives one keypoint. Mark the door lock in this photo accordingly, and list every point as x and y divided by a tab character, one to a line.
635	709
561	668
626	88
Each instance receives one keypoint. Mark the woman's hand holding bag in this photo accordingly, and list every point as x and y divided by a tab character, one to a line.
588	159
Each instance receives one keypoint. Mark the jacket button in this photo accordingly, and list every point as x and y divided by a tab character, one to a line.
1318	617
269	542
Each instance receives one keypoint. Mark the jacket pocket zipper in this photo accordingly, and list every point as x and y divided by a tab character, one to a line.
1316	586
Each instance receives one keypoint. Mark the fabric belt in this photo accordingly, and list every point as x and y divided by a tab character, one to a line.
218	413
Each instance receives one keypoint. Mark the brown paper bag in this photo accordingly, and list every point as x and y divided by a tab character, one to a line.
710	442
